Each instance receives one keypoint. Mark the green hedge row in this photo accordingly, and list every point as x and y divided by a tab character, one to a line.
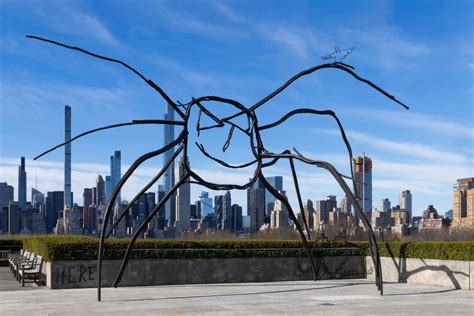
447	250
86	248
11	243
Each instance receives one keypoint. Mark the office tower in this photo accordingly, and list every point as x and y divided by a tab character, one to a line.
13	218
309	213
363	180
169	180
115	173
405	203
161	219
54	208
228	219
37	198
256	208
206	204
277	183
22	184
385	205
448	214
279	214
6	194
219	211
322	209
237	218
100	191
87	198
183	200
346	206
193	211
108	188
89	216
463	208
67	157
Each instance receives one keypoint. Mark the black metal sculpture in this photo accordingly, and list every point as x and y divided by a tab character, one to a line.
262	158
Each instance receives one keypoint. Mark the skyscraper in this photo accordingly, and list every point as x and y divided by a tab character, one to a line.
183	200
169	179
206	204
237	217
309	213
54	207
322	209
346	206
108	187
161	220
6	194
115	172
13	218
363	179
22	185
405	203
87	197
67	158
385	205
256	207
279	214
277	183
37	198
100	191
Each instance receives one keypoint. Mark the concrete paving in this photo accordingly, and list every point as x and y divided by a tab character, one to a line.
340	297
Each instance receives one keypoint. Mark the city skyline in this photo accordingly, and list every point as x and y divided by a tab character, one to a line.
410	149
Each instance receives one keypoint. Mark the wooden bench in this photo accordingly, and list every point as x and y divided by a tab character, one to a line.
32	272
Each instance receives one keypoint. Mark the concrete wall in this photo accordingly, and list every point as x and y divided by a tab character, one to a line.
83	274
446	273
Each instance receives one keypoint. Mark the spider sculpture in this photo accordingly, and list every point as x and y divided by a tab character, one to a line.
244	121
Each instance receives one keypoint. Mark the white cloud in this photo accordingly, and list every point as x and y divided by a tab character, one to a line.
290	39
408	149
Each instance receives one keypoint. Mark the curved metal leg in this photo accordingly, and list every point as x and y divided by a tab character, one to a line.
115	192
300	201
143	226
294	219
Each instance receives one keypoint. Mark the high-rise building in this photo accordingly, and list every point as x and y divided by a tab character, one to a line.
279	215
385	205
277	183
363	181
322	209
160	217
183	200
100	191
206	204
169	177
6	194
22	184
309	213
54	208
256	207
108	188
37	198
67	157
405	203
116	172
463	209
87	197
346	206
237	218
13	218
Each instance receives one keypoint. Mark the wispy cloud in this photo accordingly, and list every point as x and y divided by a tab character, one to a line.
417	121
409	149
290	39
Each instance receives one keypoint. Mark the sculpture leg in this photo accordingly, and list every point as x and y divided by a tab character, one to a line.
142	191
115	192
300	201
294	219
143	226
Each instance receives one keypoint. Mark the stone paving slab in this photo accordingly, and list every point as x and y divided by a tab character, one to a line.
335	297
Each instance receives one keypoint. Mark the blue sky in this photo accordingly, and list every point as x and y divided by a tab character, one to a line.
420	51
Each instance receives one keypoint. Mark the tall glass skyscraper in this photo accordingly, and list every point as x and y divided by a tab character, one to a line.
277	183
67	158
169	177
22	184
115	172
206	204
363	180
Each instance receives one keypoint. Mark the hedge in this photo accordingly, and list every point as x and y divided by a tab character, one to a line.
85	248
11	243
57	248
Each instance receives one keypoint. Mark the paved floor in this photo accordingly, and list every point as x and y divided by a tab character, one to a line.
302	297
